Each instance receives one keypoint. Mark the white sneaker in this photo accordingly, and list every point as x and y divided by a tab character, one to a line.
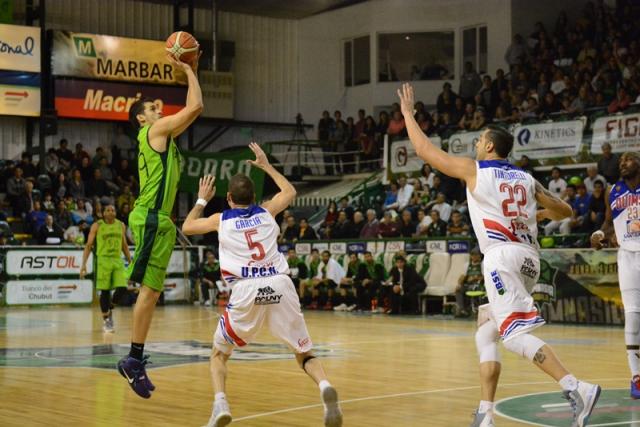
207	303
221	414
482	420
351	307
341	307
332	411
107	325
378	310
582	400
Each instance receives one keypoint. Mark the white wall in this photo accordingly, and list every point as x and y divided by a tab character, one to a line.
321	36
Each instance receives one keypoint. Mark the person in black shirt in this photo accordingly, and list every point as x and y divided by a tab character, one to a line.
291	232
437	228
209	275
370	277
306	232
407	224
342	227
64	154
404	287
597	207
49	233
358	223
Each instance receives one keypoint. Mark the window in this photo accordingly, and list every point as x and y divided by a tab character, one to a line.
415	56
357	68
474	48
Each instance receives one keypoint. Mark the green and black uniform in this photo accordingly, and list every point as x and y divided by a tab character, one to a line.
150	222
110	268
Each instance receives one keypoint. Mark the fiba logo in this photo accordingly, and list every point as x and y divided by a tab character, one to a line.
524	136
401	156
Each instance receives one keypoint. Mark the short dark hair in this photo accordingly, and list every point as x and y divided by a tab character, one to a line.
555	168
137	108
315	250
368	253
241	189
501	139
326	253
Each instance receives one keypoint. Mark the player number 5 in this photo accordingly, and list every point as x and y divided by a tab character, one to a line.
254	245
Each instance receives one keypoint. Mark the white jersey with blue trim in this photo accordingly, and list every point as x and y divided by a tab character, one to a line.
625	211
503	205
249	244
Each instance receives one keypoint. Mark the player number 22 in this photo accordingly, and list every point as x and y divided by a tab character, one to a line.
254	245
517	194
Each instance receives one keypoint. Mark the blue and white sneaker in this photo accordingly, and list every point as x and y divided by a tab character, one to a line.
582	400
635	387
136	375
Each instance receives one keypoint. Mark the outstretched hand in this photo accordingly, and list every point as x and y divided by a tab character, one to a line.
406	99
207	187
261	160
193	66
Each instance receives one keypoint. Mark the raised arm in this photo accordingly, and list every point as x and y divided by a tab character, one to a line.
287	191
554	208
194	223
457	167
175	124
87	248
606	232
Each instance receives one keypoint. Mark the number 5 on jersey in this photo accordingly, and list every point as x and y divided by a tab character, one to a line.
254	245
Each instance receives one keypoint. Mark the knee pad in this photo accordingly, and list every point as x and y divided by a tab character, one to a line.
487	342
632	328
525	345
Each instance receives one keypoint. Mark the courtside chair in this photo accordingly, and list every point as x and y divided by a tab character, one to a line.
439	264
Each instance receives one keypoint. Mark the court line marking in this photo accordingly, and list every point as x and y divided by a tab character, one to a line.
412	393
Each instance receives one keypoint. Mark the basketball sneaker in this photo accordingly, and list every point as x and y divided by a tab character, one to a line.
136	375
107	325
341	307
582	401
482	420
635	387
332	411
221	414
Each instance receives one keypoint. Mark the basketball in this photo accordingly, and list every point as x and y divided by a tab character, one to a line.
183	46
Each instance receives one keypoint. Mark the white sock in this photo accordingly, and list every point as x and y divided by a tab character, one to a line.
220	396
485	406
634	357
568	382
323	384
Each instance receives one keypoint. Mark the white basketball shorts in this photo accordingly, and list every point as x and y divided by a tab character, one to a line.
629	278
510	272
253	302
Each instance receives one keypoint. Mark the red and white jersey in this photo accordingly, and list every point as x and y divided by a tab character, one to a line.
503	205
249	244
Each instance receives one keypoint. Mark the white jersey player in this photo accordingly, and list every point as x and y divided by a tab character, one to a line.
503	204
622	227
262	291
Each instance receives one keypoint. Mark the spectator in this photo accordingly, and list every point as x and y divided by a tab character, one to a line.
621	102
82	212
358	224
444	209
76	234
62	216
325	127
499	84
209	275
76	186
64	154
97	187
424	221
458	112
368	144
359	125
370	278
329	219
29	170
15	188
388	227
126	197
49	234
608	164
123	213
580	102
100	154
405	285
517	53
391	198
86	169
405	191
342	227
291	232
396	129
337	140
472	280
592	177
348	283
36	217
563	225
370	229
24	202
426	176
329	275
306	232
470	82
587	52
557	185
437	228
344	206
597	208
124	175
298	271
107	175
61	186
446	99
550	105
381	127
407	225
457	227
47	203
467	118
479	120
78	155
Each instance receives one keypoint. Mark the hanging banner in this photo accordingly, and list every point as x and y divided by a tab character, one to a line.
403	156
102	57
19	48
63	291
46	262
464	144
548	140
19	100
622	132
223	166
111	101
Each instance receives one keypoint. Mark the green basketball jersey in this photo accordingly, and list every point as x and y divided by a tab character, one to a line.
109	239
159	174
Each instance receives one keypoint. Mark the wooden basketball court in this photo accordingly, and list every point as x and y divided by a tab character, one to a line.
56	369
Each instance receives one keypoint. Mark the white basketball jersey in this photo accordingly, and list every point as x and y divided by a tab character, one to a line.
249	244
503	205
625	211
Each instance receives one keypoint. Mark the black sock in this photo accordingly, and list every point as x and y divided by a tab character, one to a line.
136	350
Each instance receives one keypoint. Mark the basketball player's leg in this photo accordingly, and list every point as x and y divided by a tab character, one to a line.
104	284
629	278
487	337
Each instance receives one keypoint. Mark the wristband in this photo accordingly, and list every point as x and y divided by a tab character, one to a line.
202	202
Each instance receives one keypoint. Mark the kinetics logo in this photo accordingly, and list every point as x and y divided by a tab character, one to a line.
84	47
267	296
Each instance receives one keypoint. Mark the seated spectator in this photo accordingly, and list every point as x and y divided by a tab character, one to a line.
24	202
209	275
329	219
107	175
15	189
370	277
49	233
608	164
391	198
621	102
467	118
330	274
62	216
52	163
86	169
420	196
597	209
437	228
403	288
306	232
124	175
396	129
126	197
388	227
564	225
446	99
36	217
342	228
76	186
404	194
64	154
291	232
426	176
479	120
47	203
580	209
457	227
436	187
558	84
592	177
97	187
358	224
472	280
370	228
550	105
77	234
443	208
60	186
346	207
78	155
368	144
422	226
123	213
557	185
26	164
580	102
525	165
407	225
82	212
100	154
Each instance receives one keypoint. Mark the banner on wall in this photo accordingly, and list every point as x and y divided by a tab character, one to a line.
111	101
548	140
622	132
101	57
176	289
223	166
19	100
403	156
463	144
45	262
62	291
19	48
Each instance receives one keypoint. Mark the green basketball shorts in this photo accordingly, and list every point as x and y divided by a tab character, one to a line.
109	274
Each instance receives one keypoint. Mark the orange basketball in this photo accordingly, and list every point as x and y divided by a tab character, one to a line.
183	46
